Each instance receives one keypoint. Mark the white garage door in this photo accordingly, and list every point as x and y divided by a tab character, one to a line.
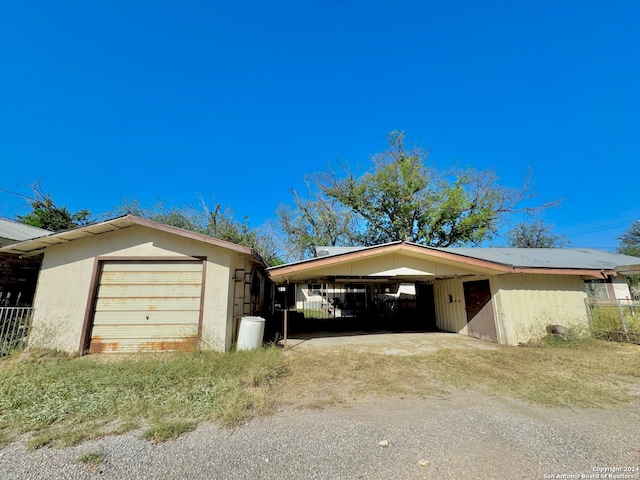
147	306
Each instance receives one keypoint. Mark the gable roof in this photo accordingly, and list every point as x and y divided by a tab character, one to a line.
12	231
38	245
499	260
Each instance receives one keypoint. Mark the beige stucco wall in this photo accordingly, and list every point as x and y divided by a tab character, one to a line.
527	303
65	281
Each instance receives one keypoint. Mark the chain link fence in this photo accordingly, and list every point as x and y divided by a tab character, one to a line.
617	320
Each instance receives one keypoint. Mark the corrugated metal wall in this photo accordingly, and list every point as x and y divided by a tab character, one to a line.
449	298
530	302
147	306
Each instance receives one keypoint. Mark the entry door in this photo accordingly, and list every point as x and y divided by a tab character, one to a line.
481	322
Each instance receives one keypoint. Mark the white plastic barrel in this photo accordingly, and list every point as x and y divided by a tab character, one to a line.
250	333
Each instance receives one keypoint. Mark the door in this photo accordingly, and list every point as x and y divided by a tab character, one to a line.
146	306
481	321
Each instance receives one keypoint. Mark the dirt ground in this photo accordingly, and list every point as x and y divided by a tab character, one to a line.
456	435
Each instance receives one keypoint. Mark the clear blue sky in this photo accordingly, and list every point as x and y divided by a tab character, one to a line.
164	99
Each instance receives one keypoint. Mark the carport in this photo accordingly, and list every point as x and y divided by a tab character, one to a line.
502	295
384	288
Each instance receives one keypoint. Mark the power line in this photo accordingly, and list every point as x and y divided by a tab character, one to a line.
602	229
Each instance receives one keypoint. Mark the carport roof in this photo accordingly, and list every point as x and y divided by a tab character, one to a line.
38	245
499	260
12	231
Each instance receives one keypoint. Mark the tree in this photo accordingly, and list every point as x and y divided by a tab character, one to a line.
206	221
535	234
630	245
47	215
315	221
630	240
402	197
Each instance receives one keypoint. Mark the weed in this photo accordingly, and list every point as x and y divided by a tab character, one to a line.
168	430
91	459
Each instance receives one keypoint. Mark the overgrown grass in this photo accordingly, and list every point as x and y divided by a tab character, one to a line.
582	373
64	401
607	321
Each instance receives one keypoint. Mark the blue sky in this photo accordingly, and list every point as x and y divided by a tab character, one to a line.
168	100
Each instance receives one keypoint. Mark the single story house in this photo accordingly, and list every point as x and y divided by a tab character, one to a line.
18	275
504	295
129	284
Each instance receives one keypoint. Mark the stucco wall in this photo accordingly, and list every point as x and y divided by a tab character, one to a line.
527	303
65	282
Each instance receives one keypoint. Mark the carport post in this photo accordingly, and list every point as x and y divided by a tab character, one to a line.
286	313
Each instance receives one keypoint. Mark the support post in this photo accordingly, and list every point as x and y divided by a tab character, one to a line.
286	314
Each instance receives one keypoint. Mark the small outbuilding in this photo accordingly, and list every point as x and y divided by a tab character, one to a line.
133	285
503	295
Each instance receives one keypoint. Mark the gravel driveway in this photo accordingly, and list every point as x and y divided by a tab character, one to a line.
462	436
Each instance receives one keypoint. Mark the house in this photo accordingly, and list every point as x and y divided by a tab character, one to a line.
503	295
18	275
129	284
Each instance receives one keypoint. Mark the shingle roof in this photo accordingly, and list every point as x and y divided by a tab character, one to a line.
12	231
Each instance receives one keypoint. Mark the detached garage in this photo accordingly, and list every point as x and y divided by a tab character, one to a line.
133	285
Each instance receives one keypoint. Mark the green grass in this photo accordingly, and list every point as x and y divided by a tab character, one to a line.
64	401
168	430
92	460
57	400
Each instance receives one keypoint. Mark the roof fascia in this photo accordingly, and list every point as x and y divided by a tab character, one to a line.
38	245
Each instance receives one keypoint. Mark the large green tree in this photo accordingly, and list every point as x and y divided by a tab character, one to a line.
46	214
404	197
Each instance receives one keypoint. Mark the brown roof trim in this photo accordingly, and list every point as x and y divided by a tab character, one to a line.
38	245
381	250
565	271
499	268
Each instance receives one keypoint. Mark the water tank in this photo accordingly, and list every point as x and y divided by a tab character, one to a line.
250	333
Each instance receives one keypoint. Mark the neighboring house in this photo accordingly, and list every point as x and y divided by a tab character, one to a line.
504	295
18	276
130	284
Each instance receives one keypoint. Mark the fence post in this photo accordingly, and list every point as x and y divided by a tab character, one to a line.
622	319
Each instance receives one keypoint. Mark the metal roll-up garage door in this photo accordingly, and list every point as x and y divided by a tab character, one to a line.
146	306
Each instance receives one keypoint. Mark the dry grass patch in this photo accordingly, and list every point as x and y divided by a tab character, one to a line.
60	400
585	373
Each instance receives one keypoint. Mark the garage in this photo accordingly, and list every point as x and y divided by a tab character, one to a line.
150	305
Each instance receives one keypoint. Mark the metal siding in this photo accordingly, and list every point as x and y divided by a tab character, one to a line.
451	316
530	302
147	306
